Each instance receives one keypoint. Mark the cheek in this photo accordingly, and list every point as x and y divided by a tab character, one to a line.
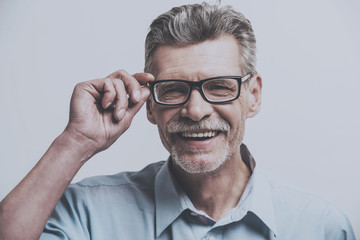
163	117
232	112
235	115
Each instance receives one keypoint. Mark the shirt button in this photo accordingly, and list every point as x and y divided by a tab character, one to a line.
194	214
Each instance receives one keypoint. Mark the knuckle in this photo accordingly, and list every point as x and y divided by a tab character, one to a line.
120	83
107	81
108	85
79	86
122	72
123	103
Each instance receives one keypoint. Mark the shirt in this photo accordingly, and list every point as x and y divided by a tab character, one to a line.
149	204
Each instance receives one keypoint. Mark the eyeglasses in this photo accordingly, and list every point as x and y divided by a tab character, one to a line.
214	90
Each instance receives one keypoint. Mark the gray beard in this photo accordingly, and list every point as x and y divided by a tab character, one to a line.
214	161
188	166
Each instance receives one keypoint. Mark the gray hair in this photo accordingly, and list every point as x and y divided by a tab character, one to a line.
191	24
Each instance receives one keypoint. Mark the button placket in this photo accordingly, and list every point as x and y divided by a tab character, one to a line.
194	214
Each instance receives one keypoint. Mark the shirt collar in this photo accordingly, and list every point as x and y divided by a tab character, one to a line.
168	198
261	200
260	191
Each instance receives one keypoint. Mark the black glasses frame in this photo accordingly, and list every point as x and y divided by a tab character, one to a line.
199	84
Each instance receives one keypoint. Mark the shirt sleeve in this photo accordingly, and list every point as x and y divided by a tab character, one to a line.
69	218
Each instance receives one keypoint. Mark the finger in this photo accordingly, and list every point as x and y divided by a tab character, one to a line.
134	108
131	84
121	99
109	93
136	87
143	78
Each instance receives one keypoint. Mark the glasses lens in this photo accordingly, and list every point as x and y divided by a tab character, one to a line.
171	92
219	90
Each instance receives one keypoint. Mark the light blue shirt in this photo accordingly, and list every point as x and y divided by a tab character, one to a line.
149	204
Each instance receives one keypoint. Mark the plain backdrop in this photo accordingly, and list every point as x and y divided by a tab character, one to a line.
308	55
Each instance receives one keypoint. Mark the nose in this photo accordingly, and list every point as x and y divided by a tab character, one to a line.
196	108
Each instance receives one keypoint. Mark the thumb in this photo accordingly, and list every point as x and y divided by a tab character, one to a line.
135	107
145	93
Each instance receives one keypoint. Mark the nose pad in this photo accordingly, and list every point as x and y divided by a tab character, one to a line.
196	108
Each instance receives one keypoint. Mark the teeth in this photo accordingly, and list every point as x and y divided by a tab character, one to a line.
199	135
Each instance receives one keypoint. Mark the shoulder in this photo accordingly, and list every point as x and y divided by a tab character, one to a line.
100	196
142	178
306	211
289	196
107	187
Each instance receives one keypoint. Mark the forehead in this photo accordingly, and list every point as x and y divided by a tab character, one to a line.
198	61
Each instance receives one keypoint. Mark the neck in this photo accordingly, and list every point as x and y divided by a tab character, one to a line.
217	192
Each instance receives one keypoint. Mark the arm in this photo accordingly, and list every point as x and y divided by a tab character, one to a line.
93	126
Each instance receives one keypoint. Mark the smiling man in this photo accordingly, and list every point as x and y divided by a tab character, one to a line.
200	87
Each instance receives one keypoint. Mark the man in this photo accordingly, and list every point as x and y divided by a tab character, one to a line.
199	87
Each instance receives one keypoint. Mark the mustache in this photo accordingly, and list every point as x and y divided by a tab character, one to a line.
186	125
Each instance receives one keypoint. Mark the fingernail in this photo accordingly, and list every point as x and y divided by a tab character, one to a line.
137	96
150	75
121	114
108	105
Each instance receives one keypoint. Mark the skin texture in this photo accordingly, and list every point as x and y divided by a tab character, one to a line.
217	160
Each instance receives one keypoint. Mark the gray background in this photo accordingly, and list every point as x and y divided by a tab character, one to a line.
308	54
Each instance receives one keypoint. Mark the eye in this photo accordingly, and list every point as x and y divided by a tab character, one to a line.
171	90
221	87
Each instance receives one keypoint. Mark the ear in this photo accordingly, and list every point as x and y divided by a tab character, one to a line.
254	95
150	111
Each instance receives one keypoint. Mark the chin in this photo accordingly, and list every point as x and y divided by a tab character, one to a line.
198	163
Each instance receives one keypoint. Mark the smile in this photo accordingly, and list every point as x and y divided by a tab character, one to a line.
198	135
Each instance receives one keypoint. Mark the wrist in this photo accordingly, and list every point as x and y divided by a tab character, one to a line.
81	147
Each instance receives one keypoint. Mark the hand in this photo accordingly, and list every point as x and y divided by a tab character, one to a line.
102	109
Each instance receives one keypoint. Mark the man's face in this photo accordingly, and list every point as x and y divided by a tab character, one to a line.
200	136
